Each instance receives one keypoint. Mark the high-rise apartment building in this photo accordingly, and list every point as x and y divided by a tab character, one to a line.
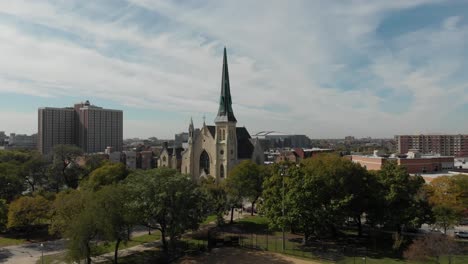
56	126
99	128
90	127
445	145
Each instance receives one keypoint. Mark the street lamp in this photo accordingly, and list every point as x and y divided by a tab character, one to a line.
283	174
42	253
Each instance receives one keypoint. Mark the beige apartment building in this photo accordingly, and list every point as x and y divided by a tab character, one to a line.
445	145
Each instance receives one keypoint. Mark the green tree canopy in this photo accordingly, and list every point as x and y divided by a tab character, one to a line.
26	212
65	169
247	180
35	170
216	197
114	218
449	197
66	208
3	215
11	184
107	174
404	202
166	200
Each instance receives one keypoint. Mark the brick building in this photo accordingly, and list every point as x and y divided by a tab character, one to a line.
89	127
445	145
413	163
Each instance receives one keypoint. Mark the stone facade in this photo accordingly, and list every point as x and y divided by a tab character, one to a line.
215	150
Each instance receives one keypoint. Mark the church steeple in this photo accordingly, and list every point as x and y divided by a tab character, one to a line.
225	112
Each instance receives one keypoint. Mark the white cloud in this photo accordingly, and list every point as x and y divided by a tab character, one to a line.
288	54
450	23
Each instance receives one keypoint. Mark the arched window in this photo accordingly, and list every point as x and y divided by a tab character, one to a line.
221	171
224	134
205	162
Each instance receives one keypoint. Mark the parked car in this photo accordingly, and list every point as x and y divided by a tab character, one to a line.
461	234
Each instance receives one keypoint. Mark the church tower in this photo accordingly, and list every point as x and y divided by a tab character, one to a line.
225	122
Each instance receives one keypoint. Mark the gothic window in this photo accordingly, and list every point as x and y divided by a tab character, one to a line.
164	158
224	134
221	171
205	162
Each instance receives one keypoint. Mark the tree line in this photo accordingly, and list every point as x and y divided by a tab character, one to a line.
103	201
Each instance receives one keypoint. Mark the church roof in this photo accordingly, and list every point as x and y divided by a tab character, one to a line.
179	151
225	112
245	147
212	130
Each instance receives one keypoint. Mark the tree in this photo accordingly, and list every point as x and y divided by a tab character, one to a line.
448	196
247	178
35	170
66	208
216	197
93	162
445	217
403	200
233	197
65	168
114	218
166	200
74	216
431	246
3	214
11	184
107	174
81	232
26	212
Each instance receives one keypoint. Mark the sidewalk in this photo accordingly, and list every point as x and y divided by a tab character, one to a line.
126	252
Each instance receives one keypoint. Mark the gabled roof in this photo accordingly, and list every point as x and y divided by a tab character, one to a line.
245	147
179	151
212	130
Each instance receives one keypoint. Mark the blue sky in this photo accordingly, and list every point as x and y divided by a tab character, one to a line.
322	68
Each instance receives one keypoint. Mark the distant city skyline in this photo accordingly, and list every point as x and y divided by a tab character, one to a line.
320	68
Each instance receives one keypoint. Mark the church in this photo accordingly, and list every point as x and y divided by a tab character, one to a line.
215	150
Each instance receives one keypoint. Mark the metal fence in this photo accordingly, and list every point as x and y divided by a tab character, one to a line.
271	242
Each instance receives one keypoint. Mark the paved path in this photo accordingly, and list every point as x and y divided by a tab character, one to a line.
127	251
30	253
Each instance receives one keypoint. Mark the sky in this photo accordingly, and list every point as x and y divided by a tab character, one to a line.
327	69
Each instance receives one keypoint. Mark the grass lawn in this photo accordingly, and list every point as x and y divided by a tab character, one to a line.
209	219
6	241
109	247
442	260
39	234
257	224
259	236
105	248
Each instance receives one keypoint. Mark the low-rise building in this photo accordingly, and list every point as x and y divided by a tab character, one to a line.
298	154
413	162
130	159
21	141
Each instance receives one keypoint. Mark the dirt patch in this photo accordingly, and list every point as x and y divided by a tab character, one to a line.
240	256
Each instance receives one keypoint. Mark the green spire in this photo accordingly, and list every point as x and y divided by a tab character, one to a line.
225	112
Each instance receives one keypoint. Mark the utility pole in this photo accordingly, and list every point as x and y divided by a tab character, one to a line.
283	174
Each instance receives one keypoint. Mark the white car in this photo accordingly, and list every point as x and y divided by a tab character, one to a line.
461	234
